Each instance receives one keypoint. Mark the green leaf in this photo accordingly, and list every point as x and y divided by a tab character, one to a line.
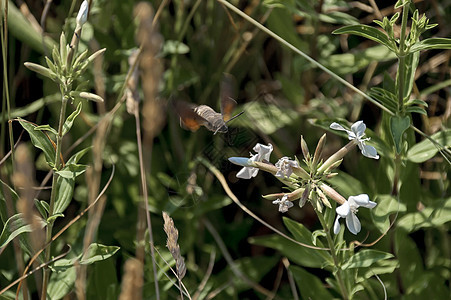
97	252
70	120
365	258
310	286
40	140
71	171
397	127
299	254
431	43
267	118
61	283
410	260
386	206
367	32
433	216
416	109
425	149
15	226
416	102
77	156
386	98
380	267
43	208
64	192
33	106
46	128
351	62
14	196
20	27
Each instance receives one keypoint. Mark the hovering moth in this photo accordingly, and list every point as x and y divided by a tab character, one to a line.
193	116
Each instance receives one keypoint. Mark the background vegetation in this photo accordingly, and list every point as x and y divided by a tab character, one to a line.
185	53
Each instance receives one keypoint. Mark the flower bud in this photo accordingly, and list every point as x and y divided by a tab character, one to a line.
82	16
95	54
334	165
319	150
305	196
333	194
241	161
273	196
337	156
301	173
40	69
304	148
87	96
323	198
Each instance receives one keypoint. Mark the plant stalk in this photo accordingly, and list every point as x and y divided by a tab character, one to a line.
338	274
59	138
402	58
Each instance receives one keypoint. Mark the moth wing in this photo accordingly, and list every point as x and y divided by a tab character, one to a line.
189	119
226	94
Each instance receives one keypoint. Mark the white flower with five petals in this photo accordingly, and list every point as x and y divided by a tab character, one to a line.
348	211
357	133
263	153
284	204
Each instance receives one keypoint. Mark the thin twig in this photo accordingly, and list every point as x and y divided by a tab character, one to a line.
204	281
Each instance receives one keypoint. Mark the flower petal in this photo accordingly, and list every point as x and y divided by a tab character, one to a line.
343	210
353	223
369	151
362	200
337	225
240	161
247	173
337	126
263	152
358	128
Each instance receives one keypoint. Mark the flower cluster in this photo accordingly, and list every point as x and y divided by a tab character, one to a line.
308	183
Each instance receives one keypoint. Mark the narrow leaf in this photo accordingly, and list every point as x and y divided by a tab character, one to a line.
97	252
367	32
46	128
70	120
40	140
70	171
431	43
15	226
77	156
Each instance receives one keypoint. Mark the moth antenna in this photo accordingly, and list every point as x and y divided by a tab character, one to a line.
216	131
235	116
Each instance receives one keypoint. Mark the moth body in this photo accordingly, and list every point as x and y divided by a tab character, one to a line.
214	120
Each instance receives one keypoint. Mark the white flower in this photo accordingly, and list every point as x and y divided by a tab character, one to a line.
263	153
284	204
82	16
285	167
357	133
348	211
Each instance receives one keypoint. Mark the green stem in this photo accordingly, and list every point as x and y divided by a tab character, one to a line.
59	138
338	274
402	58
